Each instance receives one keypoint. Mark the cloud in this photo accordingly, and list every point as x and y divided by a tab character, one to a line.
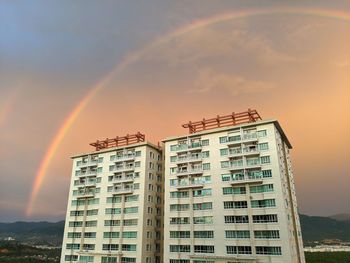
341	63
225	42
208	80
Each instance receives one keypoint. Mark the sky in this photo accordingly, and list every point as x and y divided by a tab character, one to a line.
75	72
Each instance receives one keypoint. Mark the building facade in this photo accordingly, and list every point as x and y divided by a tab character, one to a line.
230	196
115	204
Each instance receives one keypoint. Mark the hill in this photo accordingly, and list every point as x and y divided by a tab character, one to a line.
341	217
36	233
316	228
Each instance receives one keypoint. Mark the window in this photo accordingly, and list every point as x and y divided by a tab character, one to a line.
267	173
225	164
74	235
223	139
265	218
261	188
179	220
86	259
267	234
180	248
183	194
72	246
131	198
223	152
70	257
75	224
203	249
130	222
128	247
205	154
237	234
234	138
203	234
180	234
235	204
205	142
90	235
263	203
173	147
112	211
179	207
77	213
109	260
112	222
92	212
263	146
173	159
129	234
265	159
179	261
202	192
128	260
203	220
268	250
137	164
206	166
99	170
240	250
234	190
202	206
100	160
131	210
236	219
92	223
110	247
262	133
110	234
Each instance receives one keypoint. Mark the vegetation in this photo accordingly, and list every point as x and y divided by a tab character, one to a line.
328	257
13	252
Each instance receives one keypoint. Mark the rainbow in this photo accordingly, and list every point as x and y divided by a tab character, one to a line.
139	54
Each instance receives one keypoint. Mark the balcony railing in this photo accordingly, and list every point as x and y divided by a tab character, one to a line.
242	137
85	193
241	165
185	146
123	190
189	171
250	177
86	173
122	168
88	163
123	178
124	157
86	183
189	158
185	185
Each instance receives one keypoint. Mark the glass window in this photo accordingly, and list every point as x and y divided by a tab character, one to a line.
265	159
263	146
262	133
223	152
223	139
206	166
205	142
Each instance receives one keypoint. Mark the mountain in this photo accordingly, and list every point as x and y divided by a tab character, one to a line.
317	228
314	228
43	233
341	217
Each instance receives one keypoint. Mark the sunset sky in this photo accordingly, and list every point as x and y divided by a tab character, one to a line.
75	72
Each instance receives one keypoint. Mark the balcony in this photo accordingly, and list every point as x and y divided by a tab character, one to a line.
83	193
86	173
250	137
123	168
124	157
123	179
89	182
240	165
123	190
234	152
188	147
187	185
189	158
88	163
246	178
185	171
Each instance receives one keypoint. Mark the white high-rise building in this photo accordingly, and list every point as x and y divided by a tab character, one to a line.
115	206
229	193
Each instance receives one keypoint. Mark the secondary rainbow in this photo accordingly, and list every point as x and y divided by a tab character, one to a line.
138	54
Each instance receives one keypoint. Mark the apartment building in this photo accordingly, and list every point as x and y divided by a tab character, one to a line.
115	204
229	193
